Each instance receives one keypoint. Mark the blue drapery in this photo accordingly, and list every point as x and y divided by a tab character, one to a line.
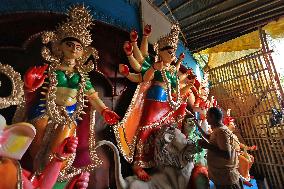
122	13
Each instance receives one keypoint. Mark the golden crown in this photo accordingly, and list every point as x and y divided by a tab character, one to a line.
76	26
170	39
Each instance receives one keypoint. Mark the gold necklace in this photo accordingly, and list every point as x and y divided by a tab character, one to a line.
174	104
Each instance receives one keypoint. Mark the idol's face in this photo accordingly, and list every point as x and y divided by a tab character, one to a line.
232	126
72	49
168	55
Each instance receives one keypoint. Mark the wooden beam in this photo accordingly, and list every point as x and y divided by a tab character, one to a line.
203	11
208	43
253	23
180	6
160	5
163	3
218	14
195	47
234	24
235	17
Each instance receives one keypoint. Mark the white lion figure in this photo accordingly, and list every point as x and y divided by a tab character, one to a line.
174	162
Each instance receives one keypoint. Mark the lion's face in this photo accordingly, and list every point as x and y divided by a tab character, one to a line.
176	139
172	148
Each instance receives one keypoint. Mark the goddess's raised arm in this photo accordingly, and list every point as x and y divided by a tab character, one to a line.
144	42
134	77
136	51
134	63
179	61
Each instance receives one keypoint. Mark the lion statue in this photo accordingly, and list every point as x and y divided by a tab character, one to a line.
173	158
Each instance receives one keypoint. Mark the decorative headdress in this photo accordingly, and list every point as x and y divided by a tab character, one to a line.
76	26
171	39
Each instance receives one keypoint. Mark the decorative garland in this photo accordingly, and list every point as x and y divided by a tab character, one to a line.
58	114
17	93
174	104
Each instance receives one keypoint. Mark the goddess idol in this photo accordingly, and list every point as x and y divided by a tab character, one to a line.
158	98
15	140
55	102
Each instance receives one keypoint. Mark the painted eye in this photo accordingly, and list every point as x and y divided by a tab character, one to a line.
170	52
79	48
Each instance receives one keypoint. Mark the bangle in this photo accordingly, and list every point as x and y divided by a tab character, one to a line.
59	157
129	54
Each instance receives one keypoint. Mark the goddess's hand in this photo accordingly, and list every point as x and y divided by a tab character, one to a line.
110	117
128	48
35	77
147	30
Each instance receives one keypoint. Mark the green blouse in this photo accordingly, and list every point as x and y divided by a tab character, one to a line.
71	82
171	77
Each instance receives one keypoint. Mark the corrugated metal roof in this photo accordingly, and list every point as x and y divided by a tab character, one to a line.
206	23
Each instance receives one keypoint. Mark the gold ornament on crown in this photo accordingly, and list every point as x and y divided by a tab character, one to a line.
170	39
76	26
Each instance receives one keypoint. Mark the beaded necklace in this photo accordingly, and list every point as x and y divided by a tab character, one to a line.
173	104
